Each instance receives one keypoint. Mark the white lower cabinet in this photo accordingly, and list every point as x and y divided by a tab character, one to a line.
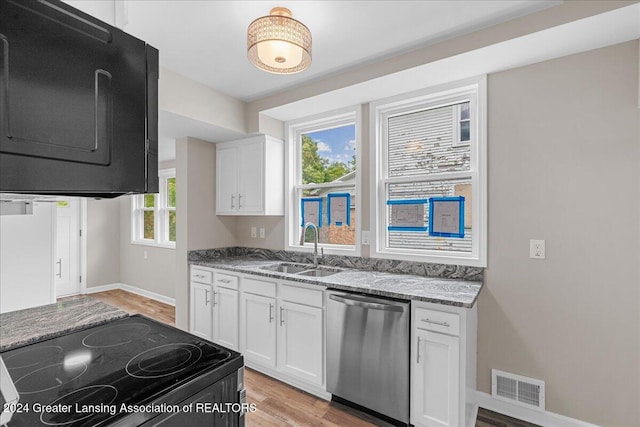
258	334
225	317
300	339
443	363
201	313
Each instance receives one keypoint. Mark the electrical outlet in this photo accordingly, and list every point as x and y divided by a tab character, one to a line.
536	249
144	254
262	233
365	237
253	232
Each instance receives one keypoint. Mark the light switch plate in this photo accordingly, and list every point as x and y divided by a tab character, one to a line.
537	249
253	232
365	237
262	233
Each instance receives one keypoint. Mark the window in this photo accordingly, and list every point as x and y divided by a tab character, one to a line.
154	215
323	182
423	155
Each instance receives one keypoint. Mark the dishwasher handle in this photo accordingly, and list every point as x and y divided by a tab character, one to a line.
365	303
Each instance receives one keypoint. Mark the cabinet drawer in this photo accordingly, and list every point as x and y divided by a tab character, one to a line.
226	280
437	321
201	276
259	287
300	295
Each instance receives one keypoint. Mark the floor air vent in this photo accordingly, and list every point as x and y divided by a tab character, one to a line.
516	389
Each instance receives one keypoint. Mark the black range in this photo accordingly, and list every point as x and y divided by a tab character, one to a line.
128	372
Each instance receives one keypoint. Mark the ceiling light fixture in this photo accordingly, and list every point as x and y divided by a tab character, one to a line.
278	43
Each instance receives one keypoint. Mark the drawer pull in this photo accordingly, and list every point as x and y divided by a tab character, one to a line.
418	352
224	280
281	316
200	276
206	296
214	298
445	324
270	313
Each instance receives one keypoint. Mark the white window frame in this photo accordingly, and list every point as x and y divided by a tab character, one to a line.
161	211
446	94
457	121
293	155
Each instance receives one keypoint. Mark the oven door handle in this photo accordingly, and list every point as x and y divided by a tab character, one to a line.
364	303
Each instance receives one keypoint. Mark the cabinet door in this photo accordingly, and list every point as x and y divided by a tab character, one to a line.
300	343
251	178
259	329
435	379
225	317
201	312
226	180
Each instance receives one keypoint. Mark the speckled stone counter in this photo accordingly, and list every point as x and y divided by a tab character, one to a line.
455	292
27	326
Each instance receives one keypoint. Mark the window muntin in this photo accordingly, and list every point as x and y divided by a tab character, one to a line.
154	215
324	166
424	150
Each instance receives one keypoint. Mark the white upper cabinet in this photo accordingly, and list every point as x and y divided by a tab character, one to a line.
250	176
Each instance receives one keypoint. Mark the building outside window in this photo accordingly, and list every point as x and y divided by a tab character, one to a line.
430	147
153	216
324	181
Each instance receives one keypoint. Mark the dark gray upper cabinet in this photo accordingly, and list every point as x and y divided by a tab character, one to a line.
78	104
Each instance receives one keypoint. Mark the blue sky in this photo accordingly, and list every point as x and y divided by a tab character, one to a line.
337	144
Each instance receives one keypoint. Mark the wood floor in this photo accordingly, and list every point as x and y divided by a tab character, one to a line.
279	404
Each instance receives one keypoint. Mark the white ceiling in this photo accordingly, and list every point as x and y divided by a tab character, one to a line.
206	40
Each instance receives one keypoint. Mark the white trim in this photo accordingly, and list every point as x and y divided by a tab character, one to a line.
293	128
546	418
402	104
83	244
133	290
160	214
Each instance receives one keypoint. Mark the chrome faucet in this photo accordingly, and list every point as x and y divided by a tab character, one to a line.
315	241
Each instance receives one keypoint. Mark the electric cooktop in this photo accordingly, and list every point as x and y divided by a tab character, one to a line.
84	378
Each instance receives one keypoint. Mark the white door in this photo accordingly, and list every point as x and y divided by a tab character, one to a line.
259	329
201	311
250	181
225	317
300	341
67	259
226	175
435	380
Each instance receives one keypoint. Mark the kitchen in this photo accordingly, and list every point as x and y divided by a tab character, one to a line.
561	127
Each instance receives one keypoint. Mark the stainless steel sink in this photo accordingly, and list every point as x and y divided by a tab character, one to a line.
303	269
317	273
288	268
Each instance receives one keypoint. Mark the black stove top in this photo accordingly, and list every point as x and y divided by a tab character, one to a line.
80	378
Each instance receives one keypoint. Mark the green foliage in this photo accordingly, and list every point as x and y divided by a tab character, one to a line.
171	191
316	169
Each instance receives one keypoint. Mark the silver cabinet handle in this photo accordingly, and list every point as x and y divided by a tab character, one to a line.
239	200
364	303
433	322
59	262
232	199
224	280
214	298
206	296
199	276
281	315
270	313
418	352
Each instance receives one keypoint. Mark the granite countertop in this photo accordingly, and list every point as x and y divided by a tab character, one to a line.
30	325
454	292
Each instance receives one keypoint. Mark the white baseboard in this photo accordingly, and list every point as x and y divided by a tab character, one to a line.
133	290
543	418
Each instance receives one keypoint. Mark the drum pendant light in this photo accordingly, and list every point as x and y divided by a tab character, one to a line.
279	44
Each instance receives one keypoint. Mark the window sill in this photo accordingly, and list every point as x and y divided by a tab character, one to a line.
328	249
470	260
154	244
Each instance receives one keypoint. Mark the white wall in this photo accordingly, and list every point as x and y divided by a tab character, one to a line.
103	242
198	227
564	152
27	247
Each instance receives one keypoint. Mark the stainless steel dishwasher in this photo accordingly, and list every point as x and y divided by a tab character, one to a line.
368	352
